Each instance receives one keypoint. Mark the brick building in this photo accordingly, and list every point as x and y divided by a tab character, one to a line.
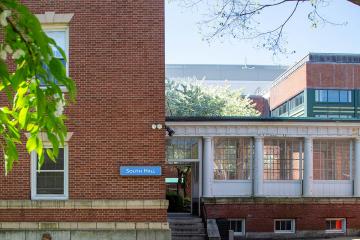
116	57
324	85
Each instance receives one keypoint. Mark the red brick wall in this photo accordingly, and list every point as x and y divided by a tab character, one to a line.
320	75
289	87
260	217
117	61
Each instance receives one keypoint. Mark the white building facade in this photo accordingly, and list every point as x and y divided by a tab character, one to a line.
298	163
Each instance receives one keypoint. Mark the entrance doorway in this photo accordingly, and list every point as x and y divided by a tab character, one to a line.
182	187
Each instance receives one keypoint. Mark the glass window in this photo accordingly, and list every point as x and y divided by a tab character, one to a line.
321	96
335	225
296	101
237	226
284	225
51	180
345	96
232	159
331	159
60	36
182	148
333	95
282	159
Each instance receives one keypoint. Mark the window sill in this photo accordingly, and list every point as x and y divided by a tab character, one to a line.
49	197
335	231
284	232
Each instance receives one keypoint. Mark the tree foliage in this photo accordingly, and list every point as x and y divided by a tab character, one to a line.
193	98
29	72
244	19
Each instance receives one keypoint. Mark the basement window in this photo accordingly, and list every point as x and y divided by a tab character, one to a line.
336	225
284	225
238	226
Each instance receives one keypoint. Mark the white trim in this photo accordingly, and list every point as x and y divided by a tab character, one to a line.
343	225
285	231
54	18
34	195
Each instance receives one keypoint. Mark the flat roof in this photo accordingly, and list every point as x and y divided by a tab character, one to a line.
218	72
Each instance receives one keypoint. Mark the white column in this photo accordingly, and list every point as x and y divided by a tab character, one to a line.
208	169
308	167
258	178
357	168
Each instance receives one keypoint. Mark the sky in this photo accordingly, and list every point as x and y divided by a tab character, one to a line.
184	44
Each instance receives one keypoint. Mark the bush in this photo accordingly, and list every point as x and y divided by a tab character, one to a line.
176	202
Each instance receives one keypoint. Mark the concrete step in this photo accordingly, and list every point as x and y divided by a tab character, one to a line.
188	231
186	225
184	220
188	236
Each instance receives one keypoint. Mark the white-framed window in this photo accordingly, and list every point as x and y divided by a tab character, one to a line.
237	226
60	34
332	159
232	158
335	225
51	181
284	225
283	158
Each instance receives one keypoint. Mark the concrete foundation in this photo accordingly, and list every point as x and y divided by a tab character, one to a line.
87	235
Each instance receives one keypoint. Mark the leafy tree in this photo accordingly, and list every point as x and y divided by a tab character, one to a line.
242	19
193	98
28	72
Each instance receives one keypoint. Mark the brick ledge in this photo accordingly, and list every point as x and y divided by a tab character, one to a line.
281	200
84	225
84	204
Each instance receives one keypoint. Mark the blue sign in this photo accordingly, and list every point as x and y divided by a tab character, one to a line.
140	171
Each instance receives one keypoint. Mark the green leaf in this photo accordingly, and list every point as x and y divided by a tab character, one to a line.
49	152
22	117
31	143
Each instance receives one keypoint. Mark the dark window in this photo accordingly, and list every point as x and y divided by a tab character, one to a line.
50	178
236	226
286	225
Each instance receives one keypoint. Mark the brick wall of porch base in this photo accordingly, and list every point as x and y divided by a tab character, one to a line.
309	214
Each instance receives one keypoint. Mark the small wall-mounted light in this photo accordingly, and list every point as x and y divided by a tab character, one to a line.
156	126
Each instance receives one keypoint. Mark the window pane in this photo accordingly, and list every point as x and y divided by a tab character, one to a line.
50	165
288	225
60	39
50	183
338	224
278	225
333	95
182	148
321	95
344	96
232	158
331	159
282	159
